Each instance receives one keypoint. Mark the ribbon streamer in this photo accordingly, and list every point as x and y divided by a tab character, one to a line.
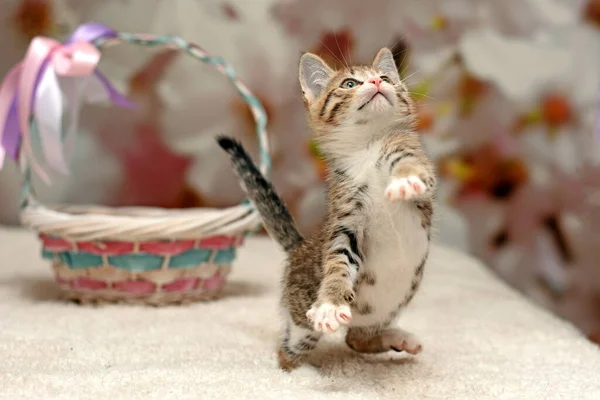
47	111
9	122
35	88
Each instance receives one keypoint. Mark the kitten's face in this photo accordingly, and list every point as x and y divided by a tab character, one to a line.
353	97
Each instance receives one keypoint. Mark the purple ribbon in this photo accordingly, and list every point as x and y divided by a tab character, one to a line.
11	137
11	132
88	33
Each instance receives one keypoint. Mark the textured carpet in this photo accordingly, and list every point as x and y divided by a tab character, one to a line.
481	341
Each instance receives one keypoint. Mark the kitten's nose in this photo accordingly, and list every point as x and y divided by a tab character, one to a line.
375	81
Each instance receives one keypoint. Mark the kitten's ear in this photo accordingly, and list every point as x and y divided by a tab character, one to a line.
384	62
314	75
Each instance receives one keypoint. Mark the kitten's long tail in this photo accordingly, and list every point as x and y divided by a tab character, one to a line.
275	215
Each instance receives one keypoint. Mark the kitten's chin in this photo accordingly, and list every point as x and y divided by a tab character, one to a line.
378	112
377	106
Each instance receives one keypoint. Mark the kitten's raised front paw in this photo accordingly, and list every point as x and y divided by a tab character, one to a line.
327	317
405	188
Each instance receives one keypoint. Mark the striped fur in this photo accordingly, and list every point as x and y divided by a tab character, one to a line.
276	217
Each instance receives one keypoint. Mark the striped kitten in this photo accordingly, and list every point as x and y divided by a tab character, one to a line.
366	262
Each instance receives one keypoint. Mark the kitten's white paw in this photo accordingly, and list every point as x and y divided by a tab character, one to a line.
401	340
327	317
405	188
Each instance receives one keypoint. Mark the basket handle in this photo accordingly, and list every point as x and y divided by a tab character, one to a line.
25	79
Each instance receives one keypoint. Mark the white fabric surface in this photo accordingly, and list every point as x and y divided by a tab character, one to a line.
481	341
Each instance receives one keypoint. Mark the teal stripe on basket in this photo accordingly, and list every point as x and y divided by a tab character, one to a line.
180	42
47	255
136	262
190	258
225	256
80	260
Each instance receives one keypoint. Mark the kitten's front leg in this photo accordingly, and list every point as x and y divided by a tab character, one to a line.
411	176
342	261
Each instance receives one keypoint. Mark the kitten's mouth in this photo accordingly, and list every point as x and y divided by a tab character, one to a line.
372	98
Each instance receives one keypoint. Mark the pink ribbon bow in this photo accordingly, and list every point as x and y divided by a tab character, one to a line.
76	59
31	88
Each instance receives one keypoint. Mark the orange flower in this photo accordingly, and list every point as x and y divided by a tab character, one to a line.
556	110
33	18
471	87
469	90
506	177
425	118
591	11
485	171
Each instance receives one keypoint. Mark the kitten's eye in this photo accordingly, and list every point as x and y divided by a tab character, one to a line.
349	83
386	79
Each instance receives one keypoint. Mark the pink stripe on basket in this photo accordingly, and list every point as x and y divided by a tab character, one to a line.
181	285
106	248
88	284
214	282
55	244
218	242
167	248
61	281
142	287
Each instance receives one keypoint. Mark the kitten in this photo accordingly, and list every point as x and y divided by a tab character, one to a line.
366	262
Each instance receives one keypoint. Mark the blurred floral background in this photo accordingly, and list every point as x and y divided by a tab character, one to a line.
507	97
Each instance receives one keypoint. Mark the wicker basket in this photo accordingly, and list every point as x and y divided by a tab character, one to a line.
144	255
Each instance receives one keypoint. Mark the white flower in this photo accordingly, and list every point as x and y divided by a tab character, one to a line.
434	29
531	17
521	68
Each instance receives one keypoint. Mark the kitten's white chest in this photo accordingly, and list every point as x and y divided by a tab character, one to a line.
395	246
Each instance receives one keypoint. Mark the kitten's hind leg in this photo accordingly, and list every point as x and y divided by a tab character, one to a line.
379	340
296	345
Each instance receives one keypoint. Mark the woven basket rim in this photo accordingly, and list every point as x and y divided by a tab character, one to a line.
75	210
156	224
